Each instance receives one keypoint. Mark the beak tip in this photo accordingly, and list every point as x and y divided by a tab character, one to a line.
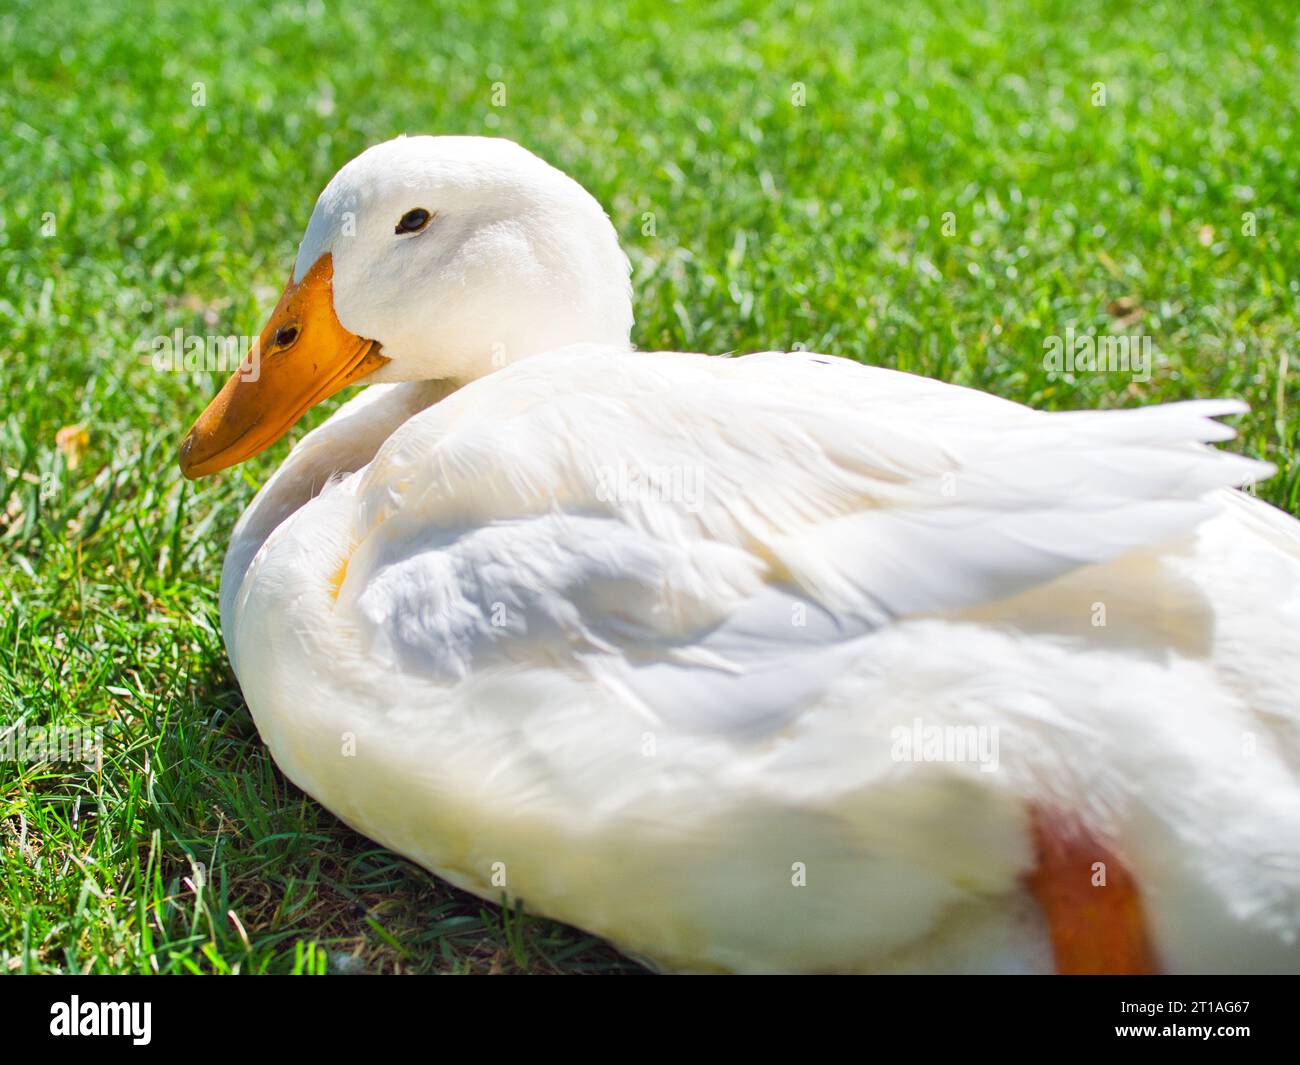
183	458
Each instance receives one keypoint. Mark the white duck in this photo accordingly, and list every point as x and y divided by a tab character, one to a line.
778	662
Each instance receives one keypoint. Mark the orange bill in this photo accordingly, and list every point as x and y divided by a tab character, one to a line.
304	355
1091	902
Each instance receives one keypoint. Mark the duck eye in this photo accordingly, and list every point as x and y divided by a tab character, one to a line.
286	335
413	221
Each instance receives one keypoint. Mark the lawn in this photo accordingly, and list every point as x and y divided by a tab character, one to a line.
920	185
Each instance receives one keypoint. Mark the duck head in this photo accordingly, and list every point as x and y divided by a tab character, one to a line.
426	258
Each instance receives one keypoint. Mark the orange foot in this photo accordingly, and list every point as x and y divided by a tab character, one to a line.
1090	900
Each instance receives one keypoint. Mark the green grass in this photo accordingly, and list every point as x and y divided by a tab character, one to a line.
774	226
